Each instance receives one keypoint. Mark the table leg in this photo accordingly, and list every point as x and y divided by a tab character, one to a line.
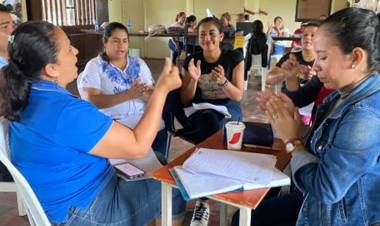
245	217
166	204
223	214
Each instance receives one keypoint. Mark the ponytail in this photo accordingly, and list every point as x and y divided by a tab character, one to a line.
31	47
16	92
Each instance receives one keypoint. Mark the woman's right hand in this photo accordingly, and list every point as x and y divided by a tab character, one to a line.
194	70
169	78
290	67
136	90
263	98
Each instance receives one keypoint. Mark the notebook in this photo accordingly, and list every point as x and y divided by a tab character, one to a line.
211	171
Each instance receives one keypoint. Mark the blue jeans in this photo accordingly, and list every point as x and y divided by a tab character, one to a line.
175	52
125	203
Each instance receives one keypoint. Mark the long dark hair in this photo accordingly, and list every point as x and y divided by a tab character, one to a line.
107	33
257	28
354	27
212	20
31	47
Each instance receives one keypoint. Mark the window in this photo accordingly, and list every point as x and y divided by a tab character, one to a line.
312	9
69	12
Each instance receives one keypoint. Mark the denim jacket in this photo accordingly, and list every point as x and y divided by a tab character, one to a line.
340	171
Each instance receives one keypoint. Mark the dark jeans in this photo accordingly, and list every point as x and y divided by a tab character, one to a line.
192	49
276	211
4	174
161	145
207	122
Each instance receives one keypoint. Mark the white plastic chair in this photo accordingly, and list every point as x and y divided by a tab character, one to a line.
34	211
257	66
11	187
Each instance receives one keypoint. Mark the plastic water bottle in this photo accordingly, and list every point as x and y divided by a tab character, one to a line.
96	25
129	25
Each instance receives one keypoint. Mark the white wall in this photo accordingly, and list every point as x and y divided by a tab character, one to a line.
143	13
284	8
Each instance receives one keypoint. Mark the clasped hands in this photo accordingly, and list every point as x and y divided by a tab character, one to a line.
283	115
140	90
218	74
291	69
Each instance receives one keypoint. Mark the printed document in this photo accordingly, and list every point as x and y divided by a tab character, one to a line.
211	171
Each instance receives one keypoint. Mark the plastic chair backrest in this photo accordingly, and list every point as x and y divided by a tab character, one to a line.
79	87
33	207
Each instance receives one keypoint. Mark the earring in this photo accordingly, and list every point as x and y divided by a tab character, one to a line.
353	66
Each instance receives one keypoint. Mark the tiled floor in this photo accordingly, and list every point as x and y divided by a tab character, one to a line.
8	207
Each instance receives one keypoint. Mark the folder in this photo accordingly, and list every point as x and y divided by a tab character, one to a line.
210	171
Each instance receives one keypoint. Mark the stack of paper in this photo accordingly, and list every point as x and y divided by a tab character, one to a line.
210	171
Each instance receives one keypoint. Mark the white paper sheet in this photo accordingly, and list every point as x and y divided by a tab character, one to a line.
204	177
248	167
201	106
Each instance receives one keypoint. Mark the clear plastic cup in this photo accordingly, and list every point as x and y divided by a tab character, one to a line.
235	133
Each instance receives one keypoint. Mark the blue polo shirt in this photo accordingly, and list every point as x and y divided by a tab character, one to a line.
51	145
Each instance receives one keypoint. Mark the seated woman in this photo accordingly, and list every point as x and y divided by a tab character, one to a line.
294	69
176	43
213	76
191	41
228	32
278	29
258	44
294	66
119	84
61	144
337	169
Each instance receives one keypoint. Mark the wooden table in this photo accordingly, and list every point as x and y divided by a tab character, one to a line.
244	200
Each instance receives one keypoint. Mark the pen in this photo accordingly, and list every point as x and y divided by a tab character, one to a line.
262	147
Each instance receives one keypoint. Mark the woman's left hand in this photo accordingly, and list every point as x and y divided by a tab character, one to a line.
218	75
286	124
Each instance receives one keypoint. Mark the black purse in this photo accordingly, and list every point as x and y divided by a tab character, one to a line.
257	133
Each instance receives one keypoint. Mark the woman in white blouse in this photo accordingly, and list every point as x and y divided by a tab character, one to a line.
119	84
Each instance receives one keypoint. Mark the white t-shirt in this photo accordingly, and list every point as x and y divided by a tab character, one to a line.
109	79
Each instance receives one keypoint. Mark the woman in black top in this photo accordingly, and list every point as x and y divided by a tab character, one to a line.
213	76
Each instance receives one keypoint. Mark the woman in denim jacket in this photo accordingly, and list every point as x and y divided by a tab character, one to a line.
338	168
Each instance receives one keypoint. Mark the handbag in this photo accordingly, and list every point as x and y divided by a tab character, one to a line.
257	133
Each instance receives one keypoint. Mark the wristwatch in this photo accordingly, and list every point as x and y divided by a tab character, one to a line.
291	145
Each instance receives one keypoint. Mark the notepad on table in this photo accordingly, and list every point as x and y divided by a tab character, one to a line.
210	171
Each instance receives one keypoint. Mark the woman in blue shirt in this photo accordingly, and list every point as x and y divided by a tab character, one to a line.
61	143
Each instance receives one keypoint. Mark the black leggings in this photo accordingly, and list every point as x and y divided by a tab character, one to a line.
277	211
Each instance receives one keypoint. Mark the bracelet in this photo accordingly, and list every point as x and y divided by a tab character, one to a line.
224	83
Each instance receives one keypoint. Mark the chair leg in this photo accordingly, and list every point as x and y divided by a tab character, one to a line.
20	205
168	144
